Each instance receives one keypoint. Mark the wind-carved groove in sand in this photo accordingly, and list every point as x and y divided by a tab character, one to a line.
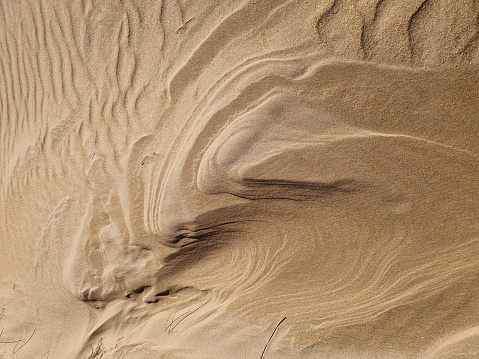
275	181
225	169
245	190
228	216
245	19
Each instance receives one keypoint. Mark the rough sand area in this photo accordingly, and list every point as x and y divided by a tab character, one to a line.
239	179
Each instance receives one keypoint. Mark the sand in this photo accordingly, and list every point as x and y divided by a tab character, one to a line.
239	179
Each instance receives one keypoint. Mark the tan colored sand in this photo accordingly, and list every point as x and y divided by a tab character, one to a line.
239	179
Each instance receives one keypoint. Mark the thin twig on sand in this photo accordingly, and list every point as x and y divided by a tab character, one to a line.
17	342
98	351
271	337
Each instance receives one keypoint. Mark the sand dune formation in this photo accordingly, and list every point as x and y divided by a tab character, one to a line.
239	179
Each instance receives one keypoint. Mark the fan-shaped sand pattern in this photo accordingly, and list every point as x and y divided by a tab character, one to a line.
178	177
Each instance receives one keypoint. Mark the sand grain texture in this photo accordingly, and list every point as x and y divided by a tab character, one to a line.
239	179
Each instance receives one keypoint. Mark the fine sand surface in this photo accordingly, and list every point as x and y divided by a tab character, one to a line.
239	179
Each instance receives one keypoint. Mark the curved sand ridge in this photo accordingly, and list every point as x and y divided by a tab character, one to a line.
184	176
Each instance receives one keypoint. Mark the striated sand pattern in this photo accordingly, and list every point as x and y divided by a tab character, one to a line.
239	179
